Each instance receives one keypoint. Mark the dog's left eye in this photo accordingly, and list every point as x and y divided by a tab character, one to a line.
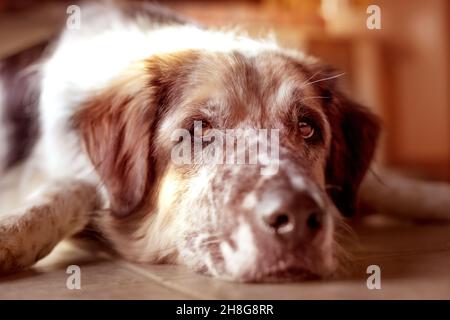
206	127
200	128
306	129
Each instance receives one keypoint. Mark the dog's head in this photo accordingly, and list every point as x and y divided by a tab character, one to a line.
268	211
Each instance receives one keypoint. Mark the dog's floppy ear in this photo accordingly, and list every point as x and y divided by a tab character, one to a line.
115	126
118	123
355	132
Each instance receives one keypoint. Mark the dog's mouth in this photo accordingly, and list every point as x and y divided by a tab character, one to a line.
261	266
258	274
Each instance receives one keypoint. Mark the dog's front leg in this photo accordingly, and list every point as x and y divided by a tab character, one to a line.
52	214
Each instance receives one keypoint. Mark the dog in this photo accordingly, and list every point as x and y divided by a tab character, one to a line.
94	112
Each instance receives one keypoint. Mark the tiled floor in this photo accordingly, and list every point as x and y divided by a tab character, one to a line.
414	262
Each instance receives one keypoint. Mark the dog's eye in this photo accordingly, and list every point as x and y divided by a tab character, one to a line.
203	124
206	125
306	130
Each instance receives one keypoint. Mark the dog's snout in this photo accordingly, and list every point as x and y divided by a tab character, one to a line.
296	217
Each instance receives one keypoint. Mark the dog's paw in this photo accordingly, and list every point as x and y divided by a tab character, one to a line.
55	212
13	255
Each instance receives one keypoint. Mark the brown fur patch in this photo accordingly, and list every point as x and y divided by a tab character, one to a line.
117	128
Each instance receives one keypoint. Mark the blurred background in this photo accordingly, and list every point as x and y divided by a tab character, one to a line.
401	71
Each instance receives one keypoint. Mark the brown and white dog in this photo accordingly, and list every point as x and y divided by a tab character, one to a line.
94	111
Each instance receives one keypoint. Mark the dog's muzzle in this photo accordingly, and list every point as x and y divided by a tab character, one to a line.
277	227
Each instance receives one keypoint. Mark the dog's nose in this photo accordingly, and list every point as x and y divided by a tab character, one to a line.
295	217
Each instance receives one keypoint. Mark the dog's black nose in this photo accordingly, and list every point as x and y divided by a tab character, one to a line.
295	217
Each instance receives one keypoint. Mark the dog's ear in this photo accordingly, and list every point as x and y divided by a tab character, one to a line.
355	132
115	126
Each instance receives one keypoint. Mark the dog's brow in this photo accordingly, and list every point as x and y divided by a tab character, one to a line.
214	107
285	92
306	110
291	91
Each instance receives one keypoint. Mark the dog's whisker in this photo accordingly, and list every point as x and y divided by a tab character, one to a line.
323	79
311	77
314	97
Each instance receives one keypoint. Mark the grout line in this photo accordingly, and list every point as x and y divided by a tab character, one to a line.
159	280
134	268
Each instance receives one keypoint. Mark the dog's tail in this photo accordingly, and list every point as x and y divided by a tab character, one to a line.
397	195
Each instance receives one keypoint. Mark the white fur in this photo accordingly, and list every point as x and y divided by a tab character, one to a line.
270	203
284	93
250	201
242	259
298	182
